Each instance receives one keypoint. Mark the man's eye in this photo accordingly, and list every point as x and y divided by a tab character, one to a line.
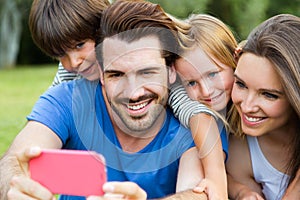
191	83
147	73
115	75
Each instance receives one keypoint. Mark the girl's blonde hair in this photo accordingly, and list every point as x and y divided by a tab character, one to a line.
213	36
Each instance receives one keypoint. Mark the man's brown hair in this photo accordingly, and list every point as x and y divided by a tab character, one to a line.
130	20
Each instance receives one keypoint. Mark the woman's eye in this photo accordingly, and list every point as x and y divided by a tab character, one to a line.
240	84
270	95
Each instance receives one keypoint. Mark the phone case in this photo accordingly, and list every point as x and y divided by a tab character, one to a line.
69	172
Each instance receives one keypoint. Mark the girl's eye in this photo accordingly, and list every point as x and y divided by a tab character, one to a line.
212	74
191	83
240	84
270	95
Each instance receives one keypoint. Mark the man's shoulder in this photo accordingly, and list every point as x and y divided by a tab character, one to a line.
174	122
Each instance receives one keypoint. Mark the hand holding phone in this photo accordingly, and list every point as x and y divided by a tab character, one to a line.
69	172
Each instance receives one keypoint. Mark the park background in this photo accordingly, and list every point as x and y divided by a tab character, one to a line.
25	72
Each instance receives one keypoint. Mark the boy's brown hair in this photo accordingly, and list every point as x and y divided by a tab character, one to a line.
56	25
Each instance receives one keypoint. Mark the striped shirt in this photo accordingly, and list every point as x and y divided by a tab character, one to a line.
62	75
184	107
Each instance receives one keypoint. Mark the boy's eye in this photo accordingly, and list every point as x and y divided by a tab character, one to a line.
79	45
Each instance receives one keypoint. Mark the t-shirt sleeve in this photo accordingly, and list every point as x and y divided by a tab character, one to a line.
53	109
224	140
184	107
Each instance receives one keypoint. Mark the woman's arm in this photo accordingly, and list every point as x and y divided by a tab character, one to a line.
293	190
241	183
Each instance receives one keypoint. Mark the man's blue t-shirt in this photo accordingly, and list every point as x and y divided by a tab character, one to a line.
77	113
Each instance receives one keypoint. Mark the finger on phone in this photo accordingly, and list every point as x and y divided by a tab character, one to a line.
129	189
29	153
26	187
24	157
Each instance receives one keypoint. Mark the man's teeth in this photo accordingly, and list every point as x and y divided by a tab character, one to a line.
253	119
137	107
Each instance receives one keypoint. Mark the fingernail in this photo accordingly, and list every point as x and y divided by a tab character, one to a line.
108	187
198	189
92	198
35	150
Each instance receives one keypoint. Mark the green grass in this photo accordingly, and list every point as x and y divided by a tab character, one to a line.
19	90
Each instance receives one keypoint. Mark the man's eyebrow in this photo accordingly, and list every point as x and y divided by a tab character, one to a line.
150	68
139	69
112	71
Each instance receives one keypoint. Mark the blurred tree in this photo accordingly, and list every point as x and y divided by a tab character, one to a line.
16	45
248	15
241	16
10	32
29	53
286	6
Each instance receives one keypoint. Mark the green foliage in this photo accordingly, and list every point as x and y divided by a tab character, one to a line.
286	6
248	15
182	8
241	16
20	88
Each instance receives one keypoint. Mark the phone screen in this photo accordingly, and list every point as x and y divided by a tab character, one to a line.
69	172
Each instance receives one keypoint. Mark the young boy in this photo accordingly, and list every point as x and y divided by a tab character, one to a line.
68	35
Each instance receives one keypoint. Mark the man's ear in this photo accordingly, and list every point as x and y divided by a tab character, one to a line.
172	74
101	74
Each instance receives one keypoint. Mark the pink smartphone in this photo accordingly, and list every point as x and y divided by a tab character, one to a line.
69	172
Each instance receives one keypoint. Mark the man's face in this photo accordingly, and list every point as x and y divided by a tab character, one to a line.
136	81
